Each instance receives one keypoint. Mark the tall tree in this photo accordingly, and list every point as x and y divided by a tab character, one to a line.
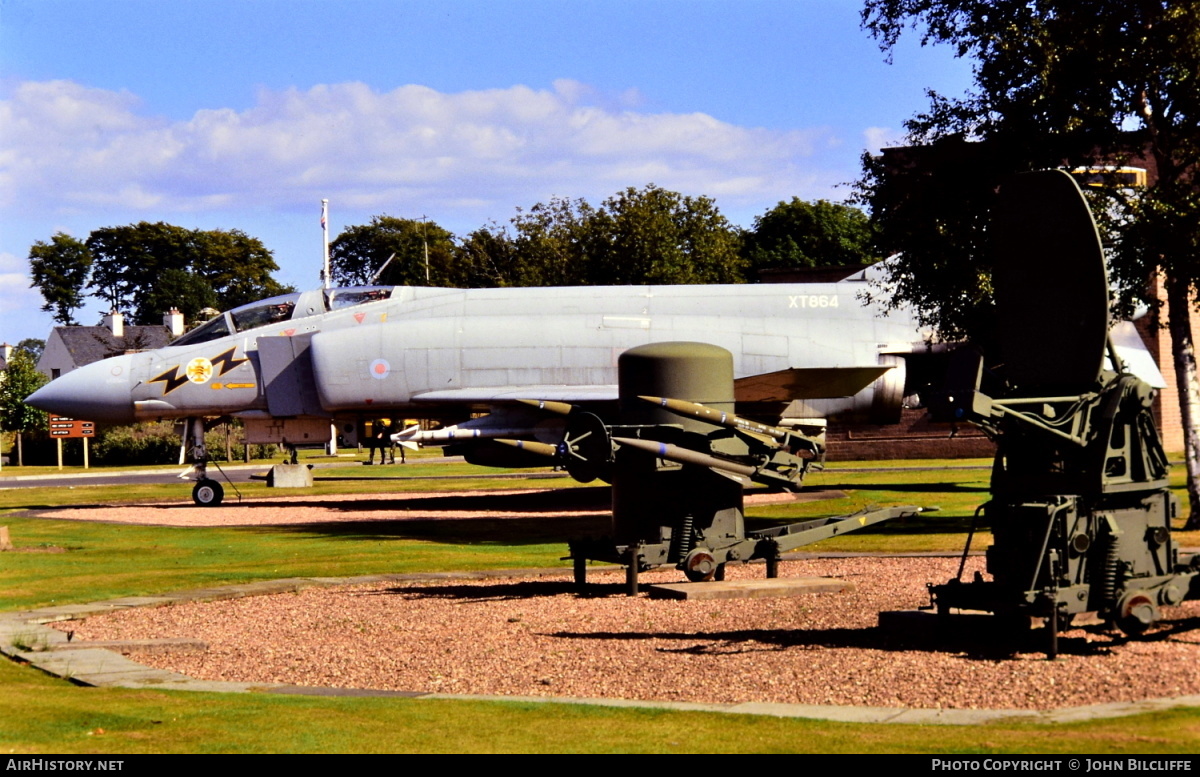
145	269
1078	82
360	251
552	243
236	266
59	270
654	235
32	346
809	234
129	260
18	381
487	258
648	235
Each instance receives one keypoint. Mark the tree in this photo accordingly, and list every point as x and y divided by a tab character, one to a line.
1074	82
654	235
186	291
130	259
487	258
32	346
809	234
18	381
236	266
59	270
360	251
649	235
145	269
552	243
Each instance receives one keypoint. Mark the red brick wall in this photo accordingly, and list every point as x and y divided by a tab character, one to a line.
1158	341
915	437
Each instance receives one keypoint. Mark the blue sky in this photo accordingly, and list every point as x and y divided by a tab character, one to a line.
245	113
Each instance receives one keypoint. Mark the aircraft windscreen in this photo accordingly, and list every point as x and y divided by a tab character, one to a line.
344	298
267	312
217	327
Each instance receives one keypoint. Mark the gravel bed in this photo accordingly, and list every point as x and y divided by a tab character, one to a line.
536	637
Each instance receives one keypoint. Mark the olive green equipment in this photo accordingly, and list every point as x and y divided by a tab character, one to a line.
678	459
1080	509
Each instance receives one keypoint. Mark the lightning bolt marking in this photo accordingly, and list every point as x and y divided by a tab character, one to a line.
171	380
226	361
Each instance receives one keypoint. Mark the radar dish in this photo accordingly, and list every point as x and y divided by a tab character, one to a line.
1050	284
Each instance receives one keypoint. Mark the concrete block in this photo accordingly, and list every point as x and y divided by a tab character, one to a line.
749	589
290	476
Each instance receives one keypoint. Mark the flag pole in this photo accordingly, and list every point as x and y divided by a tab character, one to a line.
332	448
325	241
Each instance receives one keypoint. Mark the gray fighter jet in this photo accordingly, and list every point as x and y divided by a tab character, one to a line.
292	366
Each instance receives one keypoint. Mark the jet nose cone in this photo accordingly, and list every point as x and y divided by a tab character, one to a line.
94	392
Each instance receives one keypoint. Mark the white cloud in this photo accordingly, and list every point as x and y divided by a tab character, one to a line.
876	139
67	147
17	299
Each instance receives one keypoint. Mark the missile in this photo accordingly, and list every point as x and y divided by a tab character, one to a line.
683	455
539	448
718	417
559	408
452	434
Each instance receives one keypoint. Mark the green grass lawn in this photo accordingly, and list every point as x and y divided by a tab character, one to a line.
86	561
45	715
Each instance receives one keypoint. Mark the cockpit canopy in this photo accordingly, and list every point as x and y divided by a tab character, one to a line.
282	308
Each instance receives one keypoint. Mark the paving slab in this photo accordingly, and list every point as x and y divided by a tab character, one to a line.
166	645
749	589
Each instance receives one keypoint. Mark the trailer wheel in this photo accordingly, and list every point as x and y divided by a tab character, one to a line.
1136	612
699	566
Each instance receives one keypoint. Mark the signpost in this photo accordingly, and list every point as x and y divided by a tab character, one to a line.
62	427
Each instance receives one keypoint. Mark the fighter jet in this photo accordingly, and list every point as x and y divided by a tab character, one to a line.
292	366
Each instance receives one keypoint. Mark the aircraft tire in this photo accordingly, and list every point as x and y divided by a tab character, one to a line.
208	493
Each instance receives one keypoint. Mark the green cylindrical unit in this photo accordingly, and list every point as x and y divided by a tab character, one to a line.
653	499
697	372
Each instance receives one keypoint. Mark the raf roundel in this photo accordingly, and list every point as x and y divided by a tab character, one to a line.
380	369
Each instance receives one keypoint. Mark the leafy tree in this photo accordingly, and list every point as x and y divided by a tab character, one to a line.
187	291
18	381
1078	82
649	235
130	259
236	266
809	234
487	258
59	270
653	235
146	269
32	346
360	251
552	243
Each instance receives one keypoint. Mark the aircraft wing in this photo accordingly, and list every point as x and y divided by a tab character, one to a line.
806	383
494	394
781	386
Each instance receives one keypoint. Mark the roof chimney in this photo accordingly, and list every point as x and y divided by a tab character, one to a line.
116	322
6	352
173	320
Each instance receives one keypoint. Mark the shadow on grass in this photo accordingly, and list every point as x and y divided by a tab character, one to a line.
459	531
911	488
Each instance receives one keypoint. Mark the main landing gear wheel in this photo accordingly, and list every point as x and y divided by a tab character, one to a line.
208	493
